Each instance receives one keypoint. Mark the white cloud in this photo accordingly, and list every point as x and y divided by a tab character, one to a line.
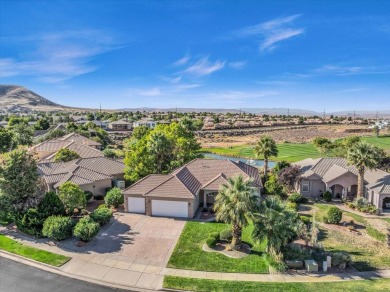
182	61
271	32
58	57
339	70
237	65
155	91
204	67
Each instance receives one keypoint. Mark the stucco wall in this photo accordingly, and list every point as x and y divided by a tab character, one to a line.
316	187
98	187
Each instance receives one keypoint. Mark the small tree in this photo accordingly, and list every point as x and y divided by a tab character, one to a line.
20	185
65	155
23	134
273	187
114	197
6	137
72	196
289	177
109	153
323	145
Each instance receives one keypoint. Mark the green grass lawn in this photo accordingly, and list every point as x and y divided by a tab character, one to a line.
290	152
33	253
192	284
188	253
387	219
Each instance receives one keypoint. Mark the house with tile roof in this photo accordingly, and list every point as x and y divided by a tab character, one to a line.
184	190
84	147
94	174
340	178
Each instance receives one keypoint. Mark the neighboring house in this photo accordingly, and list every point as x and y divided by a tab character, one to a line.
91	174
183	191
148	122
74	137
120	125
338	177
47	150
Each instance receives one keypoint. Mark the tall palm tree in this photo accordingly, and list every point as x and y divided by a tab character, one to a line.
364	156
276	224
266	147
235	204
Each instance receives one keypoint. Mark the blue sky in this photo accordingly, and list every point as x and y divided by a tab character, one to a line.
316	55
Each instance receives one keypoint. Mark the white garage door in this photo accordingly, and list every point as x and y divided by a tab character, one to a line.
170	208
136	205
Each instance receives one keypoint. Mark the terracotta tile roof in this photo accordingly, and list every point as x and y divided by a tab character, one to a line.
186	181
74	137
146	184
79	171
328	169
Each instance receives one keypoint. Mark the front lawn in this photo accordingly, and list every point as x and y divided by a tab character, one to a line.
192	284
188	253
33	253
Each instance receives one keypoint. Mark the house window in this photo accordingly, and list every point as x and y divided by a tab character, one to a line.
212	194
305	187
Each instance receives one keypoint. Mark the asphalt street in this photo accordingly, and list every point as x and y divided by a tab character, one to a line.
17	277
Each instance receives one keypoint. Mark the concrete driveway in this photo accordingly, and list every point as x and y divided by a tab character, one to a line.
133	251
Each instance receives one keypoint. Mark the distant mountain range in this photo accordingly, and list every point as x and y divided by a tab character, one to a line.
14	98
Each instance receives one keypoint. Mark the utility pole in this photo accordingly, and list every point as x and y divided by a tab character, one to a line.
324	115
354	116
100	115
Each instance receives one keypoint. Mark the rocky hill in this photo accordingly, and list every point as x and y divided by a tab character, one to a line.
16	98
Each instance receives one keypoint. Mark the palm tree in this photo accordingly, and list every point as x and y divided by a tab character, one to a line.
235	204
364	156
276	224
266	147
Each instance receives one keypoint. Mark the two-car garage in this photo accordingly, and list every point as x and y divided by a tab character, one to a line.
166	208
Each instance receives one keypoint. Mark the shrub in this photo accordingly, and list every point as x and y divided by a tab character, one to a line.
58	227
297	198
30	222
86	229
327	196
341	259
103	206
305	219
88	195
114	197
292	206
101	215
215	235
334	215
51	204
211	241
226	234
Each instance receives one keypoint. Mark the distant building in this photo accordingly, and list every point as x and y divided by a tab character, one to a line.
120	125
148	122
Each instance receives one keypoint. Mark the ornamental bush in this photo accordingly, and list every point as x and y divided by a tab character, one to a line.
88	195
305	219
211	242
292	206
297	198
101	216
58	227
334	215
30	222
114	197
226	234
86	229
327	196
215	235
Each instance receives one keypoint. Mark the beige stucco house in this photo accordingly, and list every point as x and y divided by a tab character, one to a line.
340	178
183	191
91	174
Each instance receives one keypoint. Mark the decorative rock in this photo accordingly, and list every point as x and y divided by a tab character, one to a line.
294	264
329	261
311	266
325	266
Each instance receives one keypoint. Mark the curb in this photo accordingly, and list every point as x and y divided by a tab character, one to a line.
56	270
